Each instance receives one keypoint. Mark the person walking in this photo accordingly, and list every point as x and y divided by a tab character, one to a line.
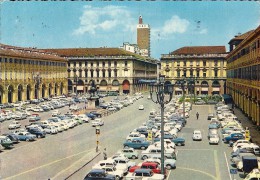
105	154
197	115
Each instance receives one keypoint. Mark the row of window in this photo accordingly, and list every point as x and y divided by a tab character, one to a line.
191	63
246	50
249	73
32	62
92	74
197	73
92	64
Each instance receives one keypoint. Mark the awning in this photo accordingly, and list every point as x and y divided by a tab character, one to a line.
80	88
178	89
115	88
102	88
204	89
216	89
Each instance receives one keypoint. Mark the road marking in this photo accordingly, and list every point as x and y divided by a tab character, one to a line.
227	165
196	170
48	164
216	164
69	166
168	175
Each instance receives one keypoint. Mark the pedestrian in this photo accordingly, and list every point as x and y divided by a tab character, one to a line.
197	114
105	154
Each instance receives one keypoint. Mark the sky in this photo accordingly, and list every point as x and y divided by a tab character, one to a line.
77	24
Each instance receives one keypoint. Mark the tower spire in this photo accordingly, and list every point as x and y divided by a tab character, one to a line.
140	20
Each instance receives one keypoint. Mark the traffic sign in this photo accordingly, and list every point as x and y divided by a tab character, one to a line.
233	171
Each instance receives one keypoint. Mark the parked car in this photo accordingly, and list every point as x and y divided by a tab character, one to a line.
6	142
26	136
144	174
130	153
210	115
213	139
136	143
37	132
13	137
233	137
34	117
97	122
99	174
141	107
179	141
197	135
147	165
14	125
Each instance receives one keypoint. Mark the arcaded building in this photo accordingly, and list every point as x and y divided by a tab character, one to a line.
111	70
243	73
207	64
28	73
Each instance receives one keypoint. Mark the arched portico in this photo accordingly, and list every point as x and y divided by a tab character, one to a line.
20	92
126	86
10	90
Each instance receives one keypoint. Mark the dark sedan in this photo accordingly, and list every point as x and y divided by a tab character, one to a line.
12	137
99	174
179	141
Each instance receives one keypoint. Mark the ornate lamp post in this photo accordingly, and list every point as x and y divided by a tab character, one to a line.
76	79
160	90
182	83
37	79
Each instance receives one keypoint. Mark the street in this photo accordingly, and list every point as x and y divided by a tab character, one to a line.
58	156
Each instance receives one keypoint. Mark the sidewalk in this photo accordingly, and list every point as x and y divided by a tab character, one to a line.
255	134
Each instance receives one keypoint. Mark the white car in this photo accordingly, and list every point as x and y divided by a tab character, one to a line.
51	129
213	139
197	136
97	122
141	107
55	113
84	118
14	125
133	135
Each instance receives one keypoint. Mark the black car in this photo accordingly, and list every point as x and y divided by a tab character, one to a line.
99	174
37	132
143	131
97	114
91	116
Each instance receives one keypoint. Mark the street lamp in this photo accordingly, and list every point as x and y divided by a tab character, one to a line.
37	79
191	84
76	79
160	90
182	83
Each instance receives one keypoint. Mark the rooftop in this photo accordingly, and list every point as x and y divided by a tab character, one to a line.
199	50
241	36
31	53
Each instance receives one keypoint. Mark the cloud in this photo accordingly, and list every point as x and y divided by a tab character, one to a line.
175	25
106	18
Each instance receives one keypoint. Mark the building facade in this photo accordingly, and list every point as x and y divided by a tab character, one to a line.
111	69
206	64
143	38
28	73
243	73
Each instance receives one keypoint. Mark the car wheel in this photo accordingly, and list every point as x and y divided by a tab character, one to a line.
178	144
168	167
134	157
145	157
27	139
117	177
143	148
126	147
